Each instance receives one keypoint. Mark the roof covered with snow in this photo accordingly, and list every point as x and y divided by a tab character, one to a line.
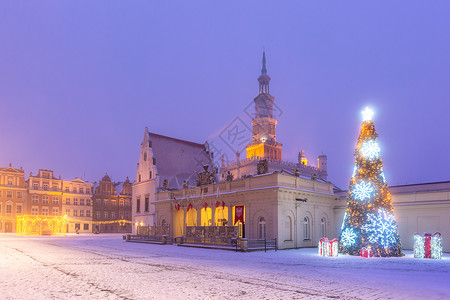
178	160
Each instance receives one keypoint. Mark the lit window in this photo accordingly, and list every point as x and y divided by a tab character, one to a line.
113	215
105	215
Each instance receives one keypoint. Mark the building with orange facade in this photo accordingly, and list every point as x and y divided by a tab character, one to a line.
13	195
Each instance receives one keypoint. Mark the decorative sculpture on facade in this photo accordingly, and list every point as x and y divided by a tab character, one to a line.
206	177
262	167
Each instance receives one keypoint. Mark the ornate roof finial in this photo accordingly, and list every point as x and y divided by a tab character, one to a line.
264	70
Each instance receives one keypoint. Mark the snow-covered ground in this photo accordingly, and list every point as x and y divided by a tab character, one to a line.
106	267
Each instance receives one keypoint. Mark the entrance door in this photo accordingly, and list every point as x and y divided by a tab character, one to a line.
8	227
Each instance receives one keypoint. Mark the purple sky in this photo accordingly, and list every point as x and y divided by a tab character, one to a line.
79	80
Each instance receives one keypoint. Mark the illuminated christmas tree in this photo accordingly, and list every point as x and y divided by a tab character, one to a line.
369	217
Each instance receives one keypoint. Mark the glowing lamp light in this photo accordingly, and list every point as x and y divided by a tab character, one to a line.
367	114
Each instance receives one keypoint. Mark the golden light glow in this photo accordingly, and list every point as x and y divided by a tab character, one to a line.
254	151
41	225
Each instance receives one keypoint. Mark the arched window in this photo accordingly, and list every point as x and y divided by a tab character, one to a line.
262	228
288	228
306	231
163	222
323	227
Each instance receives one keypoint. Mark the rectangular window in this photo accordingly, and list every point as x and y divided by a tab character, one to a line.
88	202
55	211
68	212
105	215
138	205
88	190
44	199
81	212
127	203
97	215
68	201
55	200
121	214
9	194
74	190
85	226
67	189
105	203
146	204
9	182
81	190
45	211
45	187
35	199
75	201
75	213
88	213
19	194
113	215
34	211
127	215
19	209
98	202
55	187
113	203
35	186
81	201
121	203
8	209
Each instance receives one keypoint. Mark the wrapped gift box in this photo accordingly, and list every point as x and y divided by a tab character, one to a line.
328	248
366	252
428	245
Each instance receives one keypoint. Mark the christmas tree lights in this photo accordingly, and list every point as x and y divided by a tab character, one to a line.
369	218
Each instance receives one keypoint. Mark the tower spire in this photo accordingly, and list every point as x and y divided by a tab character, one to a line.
264	70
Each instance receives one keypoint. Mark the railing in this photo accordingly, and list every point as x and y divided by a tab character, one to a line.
262	244
157	239
231	243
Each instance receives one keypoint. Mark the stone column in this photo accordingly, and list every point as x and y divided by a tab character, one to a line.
199	216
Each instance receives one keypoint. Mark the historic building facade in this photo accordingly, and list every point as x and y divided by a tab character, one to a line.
13	195
112	206
165	163
295	211
77	205
44	194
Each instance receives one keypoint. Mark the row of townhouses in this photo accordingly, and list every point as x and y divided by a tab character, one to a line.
102	206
